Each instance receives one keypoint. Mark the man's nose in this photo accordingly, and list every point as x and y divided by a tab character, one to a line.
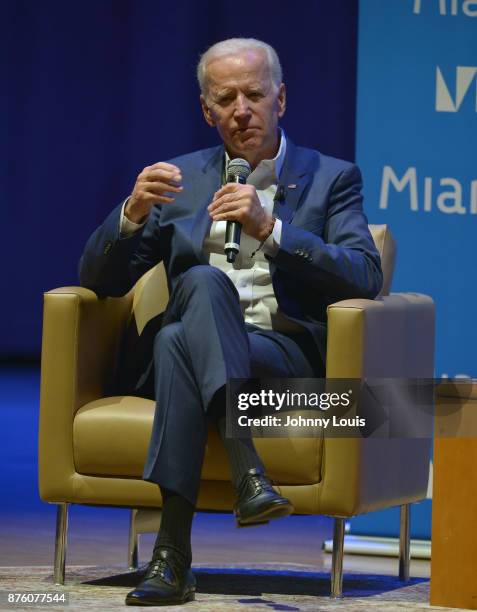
242	108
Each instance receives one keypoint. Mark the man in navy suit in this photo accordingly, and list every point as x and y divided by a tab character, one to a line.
305	244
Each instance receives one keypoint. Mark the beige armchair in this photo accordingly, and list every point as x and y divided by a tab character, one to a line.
92	448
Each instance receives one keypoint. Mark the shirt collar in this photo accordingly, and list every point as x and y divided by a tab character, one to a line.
268	170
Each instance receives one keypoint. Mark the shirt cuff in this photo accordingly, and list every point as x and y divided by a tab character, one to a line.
272	243
127	227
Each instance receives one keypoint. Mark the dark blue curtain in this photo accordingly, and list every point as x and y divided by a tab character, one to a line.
95	90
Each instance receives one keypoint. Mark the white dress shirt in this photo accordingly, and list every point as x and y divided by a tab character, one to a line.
250	275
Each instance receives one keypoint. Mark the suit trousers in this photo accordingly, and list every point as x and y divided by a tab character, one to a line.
203	342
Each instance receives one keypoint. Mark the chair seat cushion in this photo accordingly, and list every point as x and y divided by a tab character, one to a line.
111	438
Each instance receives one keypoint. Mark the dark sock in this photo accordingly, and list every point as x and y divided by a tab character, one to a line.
241	453
176	523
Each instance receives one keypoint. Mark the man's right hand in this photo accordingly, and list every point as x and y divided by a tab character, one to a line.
151	187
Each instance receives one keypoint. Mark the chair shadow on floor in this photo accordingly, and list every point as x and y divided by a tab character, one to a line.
254	582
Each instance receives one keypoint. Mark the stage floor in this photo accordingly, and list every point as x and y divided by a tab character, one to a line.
230	588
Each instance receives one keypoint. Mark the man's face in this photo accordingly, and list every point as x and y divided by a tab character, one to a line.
244	105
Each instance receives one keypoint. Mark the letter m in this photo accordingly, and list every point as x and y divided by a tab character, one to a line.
463	80
408	180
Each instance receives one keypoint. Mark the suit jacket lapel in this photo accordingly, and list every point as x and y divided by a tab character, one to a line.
294	178
207	183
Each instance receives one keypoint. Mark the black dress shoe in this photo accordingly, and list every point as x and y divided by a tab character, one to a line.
167	582
258	502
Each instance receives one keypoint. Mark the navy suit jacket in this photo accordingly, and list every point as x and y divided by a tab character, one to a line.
326	252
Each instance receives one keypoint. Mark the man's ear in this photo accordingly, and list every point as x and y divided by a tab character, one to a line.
282	100
206	110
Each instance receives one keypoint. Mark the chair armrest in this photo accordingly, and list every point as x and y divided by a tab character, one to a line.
392	336
81	338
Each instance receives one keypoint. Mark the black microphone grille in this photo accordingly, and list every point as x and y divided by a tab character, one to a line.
239	167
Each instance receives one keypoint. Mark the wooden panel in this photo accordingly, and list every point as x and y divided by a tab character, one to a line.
454	516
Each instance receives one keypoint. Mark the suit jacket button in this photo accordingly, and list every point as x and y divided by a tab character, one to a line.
108	247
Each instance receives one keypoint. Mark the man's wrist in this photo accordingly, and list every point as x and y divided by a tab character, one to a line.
265	234
126	226
134	218
266	229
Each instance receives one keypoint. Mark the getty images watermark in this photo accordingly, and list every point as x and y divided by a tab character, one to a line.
312	401
312	407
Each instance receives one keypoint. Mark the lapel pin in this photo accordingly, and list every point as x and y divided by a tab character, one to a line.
292	186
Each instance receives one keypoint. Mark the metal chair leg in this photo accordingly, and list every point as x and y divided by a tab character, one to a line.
133	554
404	543
337	560
60	543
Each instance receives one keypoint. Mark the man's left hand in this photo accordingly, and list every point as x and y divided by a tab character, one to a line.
236	202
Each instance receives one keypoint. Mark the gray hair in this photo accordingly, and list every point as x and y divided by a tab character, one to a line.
236	45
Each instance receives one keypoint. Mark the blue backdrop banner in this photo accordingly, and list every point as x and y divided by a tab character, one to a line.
416	135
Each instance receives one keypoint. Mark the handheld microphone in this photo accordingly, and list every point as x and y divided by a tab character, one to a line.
238	171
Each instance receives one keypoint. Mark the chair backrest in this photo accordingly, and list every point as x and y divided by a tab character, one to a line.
151	293
386	246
